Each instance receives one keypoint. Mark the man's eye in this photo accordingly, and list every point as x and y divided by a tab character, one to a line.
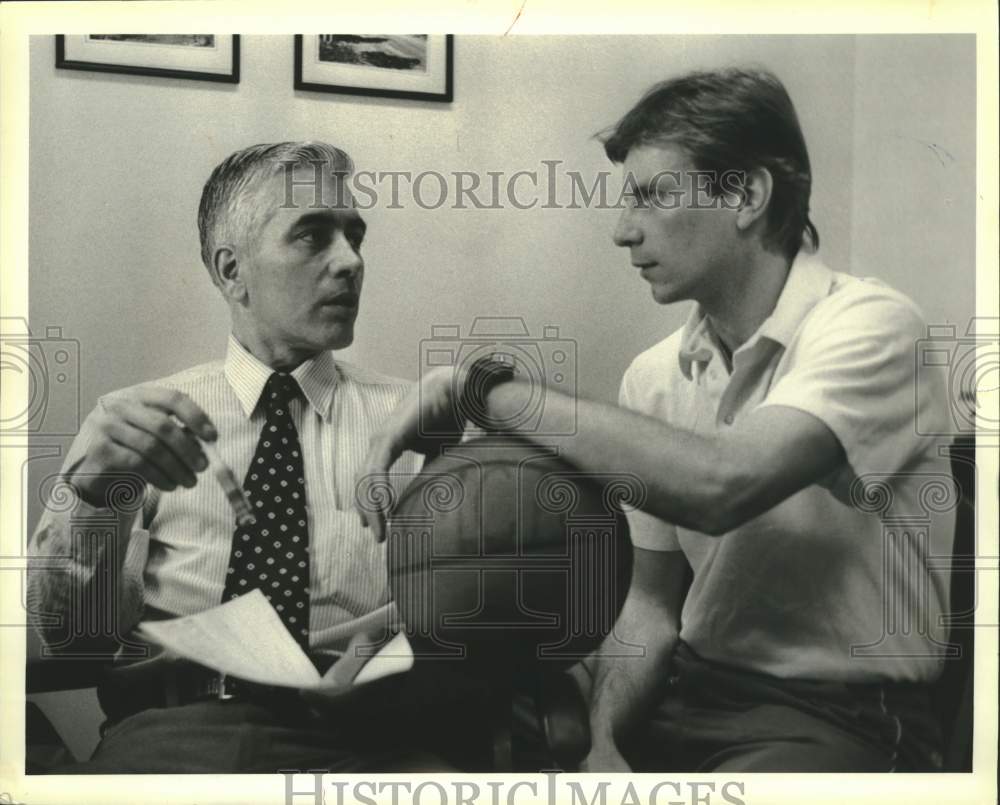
313	237
638	201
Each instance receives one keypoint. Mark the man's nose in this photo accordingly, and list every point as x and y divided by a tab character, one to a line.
626	232
344	258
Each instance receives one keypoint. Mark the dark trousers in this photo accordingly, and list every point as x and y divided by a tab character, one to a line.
214	737
716	718
422	721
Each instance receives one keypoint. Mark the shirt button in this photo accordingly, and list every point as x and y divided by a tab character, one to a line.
728	419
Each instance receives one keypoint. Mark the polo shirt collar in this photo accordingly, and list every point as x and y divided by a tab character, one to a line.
247	375
695	342
808	282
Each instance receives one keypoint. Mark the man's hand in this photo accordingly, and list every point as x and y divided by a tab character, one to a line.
150	432
604	757
626	689
425	422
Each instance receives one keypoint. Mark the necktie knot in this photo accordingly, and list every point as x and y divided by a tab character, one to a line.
280	389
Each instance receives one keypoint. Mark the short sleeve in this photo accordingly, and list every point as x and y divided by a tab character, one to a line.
853	366
646	531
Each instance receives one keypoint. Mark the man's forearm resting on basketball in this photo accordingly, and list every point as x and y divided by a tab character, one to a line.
707	484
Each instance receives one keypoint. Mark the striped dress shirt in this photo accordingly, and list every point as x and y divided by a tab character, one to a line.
173	553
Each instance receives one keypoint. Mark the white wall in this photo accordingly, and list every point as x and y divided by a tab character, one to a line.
914	177
117	165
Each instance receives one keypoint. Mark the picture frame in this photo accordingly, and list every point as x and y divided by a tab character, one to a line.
199	57
411	67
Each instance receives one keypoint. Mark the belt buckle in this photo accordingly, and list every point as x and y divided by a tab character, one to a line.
219	688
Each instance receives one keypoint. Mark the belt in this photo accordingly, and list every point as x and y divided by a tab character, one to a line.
126	690
199	684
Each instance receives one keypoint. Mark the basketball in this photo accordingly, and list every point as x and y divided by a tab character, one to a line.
502	555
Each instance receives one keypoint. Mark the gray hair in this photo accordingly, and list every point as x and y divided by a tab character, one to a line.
228	211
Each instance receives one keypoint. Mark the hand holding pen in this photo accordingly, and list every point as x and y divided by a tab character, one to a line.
160	435
154	433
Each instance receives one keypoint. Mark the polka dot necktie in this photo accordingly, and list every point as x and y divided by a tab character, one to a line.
273	553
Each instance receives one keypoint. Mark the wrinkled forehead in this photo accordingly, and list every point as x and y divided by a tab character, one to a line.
316	185
287	193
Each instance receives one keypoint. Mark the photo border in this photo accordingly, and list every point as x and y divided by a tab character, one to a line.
20	21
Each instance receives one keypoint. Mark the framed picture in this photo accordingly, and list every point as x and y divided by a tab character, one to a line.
415	66
203	57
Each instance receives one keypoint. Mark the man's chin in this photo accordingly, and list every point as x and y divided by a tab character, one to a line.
342	340
340	336
663	295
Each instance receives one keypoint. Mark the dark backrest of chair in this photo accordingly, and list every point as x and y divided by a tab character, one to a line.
952	695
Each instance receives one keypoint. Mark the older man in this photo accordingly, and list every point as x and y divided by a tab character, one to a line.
757	429
281	239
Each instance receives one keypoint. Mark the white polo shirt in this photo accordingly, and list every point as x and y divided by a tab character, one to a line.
845	580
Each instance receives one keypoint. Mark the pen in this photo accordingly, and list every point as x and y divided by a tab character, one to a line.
234	492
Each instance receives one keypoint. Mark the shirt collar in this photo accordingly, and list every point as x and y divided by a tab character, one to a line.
808	282
247	375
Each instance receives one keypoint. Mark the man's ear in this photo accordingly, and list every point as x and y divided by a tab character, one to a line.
226	273
756	196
